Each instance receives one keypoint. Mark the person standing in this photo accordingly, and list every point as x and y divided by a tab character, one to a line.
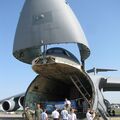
44	115
38	112
67	104
55	114
29	113
90	114
64	114
85	106
73	115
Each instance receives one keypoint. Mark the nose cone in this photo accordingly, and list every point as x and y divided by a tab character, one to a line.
44	22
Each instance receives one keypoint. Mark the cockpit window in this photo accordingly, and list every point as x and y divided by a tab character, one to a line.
61	52
58	51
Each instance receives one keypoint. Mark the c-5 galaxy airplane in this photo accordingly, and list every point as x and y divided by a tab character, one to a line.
60	74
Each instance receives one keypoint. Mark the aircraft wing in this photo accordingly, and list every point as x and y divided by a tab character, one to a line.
112	84
12	103
96	70
14	96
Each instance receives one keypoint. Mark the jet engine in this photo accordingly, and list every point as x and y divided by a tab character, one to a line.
21	100
12	104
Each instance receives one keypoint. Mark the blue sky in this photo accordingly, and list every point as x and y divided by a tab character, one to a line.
100	20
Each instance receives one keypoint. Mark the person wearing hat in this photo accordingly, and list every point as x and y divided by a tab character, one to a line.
29	113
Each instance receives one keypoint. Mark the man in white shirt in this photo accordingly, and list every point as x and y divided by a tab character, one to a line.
67	102
73	115
44	115
55	114
64	114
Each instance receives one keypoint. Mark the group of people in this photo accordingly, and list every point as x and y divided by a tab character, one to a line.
38	114
67	113
64	115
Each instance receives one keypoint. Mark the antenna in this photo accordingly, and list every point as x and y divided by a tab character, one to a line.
44	51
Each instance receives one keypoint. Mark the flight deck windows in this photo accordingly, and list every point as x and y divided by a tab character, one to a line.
61	52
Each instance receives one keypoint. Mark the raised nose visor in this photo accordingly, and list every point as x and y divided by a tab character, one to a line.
51	65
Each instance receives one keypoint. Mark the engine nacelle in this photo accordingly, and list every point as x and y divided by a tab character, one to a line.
10	105
21	101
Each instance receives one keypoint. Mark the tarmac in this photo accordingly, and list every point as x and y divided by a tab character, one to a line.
7	116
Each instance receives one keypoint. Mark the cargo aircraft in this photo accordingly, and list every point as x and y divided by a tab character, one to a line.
60	74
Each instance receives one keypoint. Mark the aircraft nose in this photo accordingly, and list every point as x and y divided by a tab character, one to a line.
44	22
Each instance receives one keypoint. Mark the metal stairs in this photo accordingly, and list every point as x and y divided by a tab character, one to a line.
76	81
